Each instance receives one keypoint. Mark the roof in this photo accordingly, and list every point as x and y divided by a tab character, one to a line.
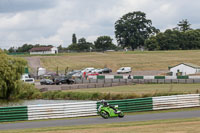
37	49
187	64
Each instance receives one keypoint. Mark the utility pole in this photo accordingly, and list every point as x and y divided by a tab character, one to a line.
57	71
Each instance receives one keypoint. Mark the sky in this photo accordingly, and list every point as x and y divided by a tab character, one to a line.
52	22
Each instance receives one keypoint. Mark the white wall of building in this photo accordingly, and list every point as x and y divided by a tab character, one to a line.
42	52
54	50
184	69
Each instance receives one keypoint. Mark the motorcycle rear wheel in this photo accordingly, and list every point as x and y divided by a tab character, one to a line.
121	115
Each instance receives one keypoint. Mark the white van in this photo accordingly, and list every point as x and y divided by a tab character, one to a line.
124	70
41	71
27	79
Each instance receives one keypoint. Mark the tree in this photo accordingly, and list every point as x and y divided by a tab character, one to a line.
184	25
11	70
11	50
73	46
25	48
74	40
152	43
132	29
82	45
59	47
104	43
192	39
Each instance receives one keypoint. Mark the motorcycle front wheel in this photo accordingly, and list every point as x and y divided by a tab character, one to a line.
105	115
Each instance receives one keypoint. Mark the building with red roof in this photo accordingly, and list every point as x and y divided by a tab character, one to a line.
44	50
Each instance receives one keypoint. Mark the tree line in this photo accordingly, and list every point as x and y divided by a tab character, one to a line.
133	30
25	48
174	40
102	43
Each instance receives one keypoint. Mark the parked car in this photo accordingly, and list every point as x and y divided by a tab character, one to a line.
89	69
124	70
77	75
70	74
92	74
100	71
64	80
107	70
46	82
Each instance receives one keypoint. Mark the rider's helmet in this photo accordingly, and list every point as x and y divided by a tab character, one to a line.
104	102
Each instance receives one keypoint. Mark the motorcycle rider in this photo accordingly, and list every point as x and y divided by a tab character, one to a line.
106	104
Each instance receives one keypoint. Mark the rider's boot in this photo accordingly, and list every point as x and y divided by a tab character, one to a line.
117	112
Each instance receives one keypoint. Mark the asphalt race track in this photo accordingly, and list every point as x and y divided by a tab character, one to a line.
98	120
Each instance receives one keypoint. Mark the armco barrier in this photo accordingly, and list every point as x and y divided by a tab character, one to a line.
146	80
177	101
77	109
13	113
132	105
46	111
142	77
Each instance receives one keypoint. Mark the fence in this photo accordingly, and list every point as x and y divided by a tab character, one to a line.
139	81
77	109
142	77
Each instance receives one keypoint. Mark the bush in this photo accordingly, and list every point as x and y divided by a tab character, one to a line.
27	91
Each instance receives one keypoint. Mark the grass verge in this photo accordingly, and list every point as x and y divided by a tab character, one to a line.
111	93
141	89
28	91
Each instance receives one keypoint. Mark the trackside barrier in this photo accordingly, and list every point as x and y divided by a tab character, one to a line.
46	111
132	105
142	77
13	113
177	101
77	109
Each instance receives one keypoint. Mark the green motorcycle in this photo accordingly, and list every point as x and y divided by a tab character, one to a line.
105	110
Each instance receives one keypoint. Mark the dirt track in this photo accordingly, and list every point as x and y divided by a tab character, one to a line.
34	63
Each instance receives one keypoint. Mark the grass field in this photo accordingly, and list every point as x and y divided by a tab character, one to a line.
140	89
147	60
156	126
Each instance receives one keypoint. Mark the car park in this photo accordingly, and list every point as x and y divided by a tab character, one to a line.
124	70
46	82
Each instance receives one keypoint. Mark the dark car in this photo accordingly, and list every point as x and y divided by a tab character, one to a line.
64	80
106	70
46	82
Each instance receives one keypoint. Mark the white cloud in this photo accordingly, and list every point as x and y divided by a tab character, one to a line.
54	23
